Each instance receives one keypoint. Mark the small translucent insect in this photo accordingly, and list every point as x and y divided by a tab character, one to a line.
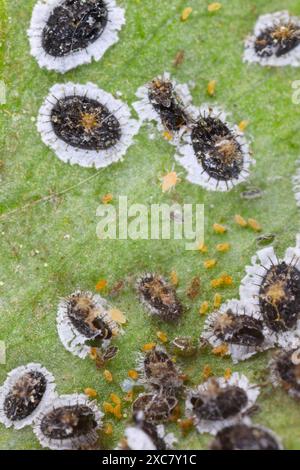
156	408
179	58
272	286
167	103
218	403
66	33
83	320
146	436
24	395
285	371
102	356
85	125
70	422
252	193
194	288
110	352
242	436
235	326
169	181
158	372
184	346
215	155
266	239
159	297
275	42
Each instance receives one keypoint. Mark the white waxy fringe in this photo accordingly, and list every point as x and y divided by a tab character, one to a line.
71	443
196	174
71	338
138	439
250	287
296	184
74	155
12	377
265	22
236	351
40	15
146	111
213	426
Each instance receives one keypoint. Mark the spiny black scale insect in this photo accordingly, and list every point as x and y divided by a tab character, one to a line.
74	25
161	373
155	408
217	148
286	368
86	317
245	437
242	330
219	403
67	422
85	123
159	297
278	40
168	105
25	396
279	297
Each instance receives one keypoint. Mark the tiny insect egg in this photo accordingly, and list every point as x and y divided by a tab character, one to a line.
204	308
218	228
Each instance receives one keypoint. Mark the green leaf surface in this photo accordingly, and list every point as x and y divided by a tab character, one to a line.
40	264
